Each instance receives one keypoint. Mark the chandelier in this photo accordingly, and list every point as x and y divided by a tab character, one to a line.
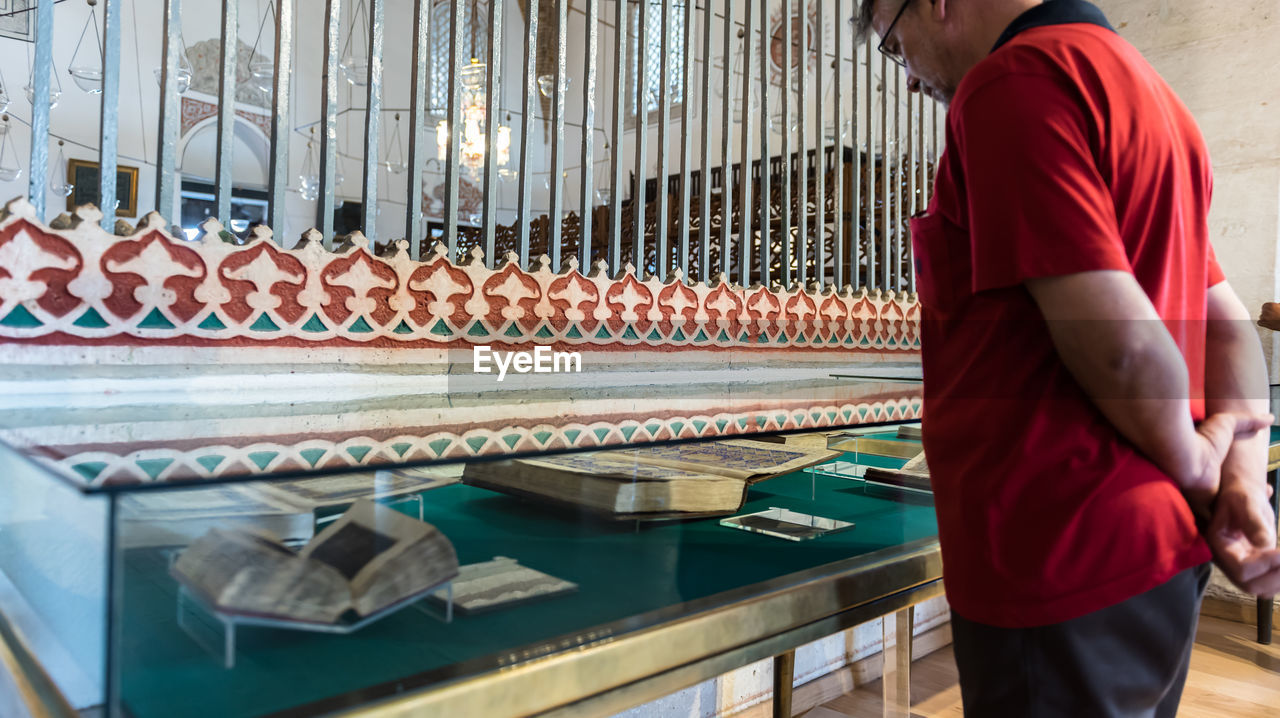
474	141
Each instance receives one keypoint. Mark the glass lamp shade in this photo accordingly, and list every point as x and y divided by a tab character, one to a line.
356	69
9	174
183	76
262	72
54	96
4	100
87	78
309	187
472	76
395	168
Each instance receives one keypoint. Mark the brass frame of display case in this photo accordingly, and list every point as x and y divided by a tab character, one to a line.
36	690
612	668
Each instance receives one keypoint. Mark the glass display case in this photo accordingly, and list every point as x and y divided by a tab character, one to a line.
159	553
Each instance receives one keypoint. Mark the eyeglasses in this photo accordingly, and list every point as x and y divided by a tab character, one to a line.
895	55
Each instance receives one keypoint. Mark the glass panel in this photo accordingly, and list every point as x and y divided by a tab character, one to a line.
53	575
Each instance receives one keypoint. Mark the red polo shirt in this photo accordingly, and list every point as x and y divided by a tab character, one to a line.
1066	152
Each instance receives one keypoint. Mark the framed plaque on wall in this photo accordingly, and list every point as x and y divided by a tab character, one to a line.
83	174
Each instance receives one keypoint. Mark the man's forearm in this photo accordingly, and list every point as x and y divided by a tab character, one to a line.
1236	380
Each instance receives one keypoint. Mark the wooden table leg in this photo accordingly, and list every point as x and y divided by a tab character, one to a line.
896	678
784	673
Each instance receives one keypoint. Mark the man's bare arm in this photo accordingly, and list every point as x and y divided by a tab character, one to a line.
1118	349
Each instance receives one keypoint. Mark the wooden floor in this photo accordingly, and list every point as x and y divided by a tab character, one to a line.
1231	675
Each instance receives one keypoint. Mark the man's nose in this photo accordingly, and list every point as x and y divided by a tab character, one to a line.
913	83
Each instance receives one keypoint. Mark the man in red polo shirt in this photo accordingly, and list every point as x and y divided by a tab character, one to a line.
1091	381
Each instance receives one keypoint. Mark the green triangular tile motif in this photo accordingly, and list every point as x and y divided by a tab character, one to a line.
477	442
572	435
441	329
801	339
848	414
723	337
211	461
262	458
264	324
862	412
744	338
781	420
541	436
314	325
439	445
213	324
155	320
90	469
511	440
402	328
721	424
763	338
630	333
603	333
742	422
654	336
653	429
702	336
848	339
800	419
678	335
876	414
699	425
573	332
831	416
677	427
311	456
91	319
360	326
866	342
600	433
816	415
782	338
544	332
359	452
401	448
628	432
513	331
761	420
477	329
153	467
21	318
892	342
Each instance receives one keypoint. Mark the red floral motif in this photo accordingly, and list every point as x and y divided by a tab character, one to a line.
436	284
142	262
341	278
630	301
512	294
241	264
573	294
57	265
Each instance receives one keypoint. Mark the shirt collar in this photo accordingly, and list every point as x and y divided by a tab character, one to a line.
1054	12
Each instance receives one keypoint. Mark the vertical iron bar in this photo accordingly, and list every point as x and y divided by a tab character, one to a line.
898	243
744	211
766	198
886	246
686	144
329	115
453	158
619	115
413	229
933	152
588	135
491	99
639	194
40	81
170	114
557	138
726	155
855	175
663	216
802	163
278	172
912	172
525	207
704	197
109	123
788	81
372	121
820	165
837	189
226	116
870	220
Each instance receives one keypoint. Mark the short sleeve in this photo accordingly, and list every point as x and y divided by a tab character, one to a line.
1037	205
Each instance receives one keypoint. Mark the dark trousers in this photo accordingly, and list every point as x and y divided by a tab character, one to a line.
1128	660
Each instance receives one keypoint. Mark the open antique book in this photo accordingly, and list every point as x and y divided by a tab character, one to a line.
372	558
913	475
651	482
